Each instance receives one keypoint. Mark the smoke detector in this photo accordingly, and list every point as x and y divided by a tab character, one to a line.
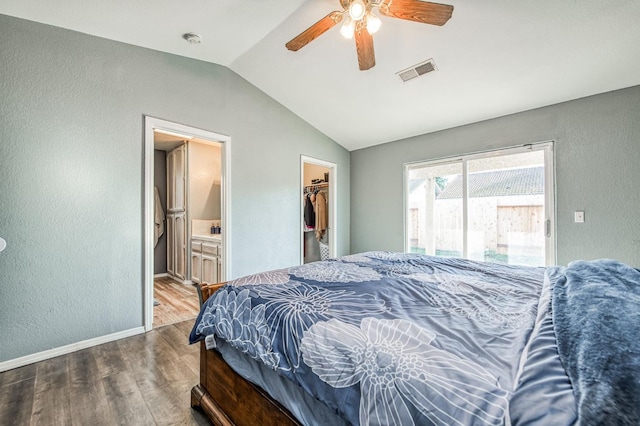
192	38
417	70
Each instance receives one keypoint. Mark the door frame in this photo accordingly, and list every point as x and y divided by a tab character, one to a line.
333	202
151	124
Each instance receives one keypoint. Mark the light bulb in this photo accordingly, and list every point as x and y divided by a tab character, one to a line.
373	23
357	10
347	28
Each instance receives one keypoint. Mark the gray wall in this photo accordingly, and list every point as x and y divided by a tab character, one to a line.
597	154
72	112
160	180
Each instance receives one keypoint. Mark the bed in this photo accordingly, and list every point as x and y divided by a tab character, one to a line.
393	338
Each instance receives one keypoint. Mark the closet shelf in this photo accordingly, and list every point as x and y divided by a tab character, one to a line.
311	188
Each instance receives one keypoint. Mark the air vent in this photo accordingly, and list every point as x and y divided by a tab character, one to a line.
417	70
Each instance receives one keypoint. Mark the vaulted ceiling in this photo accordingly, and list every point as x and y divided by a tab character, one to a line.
493	57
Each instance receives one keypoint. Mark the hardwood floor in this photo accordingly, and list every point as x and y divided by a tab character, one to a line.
178	302
141	380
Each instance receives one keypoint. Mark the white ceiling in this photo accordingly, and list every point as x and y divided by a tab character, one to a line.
494	57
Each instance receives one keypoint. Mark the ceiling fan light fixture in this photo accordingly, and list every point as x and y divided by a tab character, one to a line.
348	27
373	23
361	18
357	10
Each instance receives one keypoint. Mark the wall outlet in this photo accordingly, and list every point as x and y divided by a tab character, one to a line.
578	217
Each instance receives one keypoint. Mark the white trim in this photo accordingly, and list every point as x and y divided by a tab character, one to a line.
465	209
160	275
405	206
550	202
67	349
151	124
333	202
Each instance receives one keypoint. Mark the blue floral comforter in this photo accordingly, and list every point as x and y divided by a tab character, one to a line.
387	338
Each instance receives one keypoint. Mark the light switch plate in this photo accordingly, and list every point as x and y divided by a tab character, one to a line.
578	217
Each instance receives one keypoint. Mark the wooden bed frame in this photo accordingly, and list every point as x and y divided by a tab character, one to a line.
226	397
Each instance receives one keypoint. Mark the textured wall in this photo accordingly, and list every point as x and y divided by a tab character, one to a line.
597	156
72	112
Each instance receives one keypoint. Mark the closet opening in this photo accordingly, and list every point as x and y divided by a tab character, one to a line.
186	216
318	212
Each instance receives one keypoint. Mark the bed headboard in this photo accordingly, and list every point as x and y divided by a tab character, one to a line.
206	290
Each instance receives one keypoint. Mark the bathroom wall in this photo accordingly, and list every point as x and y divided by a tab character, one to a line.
205	177
160	180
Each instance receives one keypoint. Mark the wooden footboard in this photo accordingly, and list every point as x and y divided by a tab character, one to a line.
226	397
229	399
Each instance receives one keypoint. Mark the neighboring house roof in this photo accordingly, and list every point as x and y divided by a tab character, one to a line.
419	183
500	183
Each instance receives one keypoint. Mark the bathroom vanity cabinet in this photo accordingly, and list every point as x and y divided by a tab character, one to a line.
206	259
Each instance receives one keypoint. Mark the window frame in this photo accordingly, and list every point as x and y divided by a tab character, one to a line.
549	190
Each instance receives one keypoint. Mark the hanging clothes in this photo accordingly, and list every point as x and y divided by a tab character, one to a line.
320	205
309	213
158	217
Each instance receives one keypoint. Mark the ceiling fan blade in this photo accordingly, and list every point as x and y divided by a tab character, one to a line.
364	47
314	31
418	11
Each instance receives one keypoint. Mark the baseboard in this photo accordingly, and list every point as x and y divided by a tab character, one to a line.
165	274
63	350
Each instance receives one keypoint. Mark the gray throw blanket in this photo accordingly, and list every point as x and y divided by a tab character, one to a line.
596	315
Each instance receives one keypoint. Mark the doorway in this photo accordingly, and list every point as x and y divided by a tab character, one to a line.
178	146
318	209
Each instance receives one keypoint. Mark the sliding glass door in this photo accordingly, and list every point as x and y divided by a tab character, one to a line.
495	206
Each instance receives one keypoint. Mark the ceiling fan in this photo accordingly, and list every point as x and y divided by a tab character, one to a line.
361	21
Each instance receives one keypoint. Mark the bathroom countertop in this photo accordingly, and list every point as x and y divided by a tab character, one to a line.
208	237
